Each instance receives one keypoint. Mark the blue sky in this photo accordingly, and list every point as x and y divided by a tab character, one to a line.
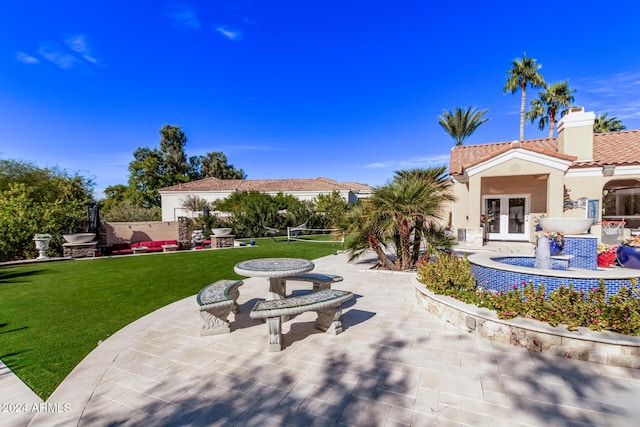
293	89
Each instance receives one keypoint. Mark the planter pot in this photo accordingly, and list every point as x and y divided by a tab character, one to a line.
42	244
628	256
554	248
606	259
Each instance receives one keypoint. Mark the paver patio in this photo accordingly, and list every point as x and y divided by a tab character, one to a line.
394	365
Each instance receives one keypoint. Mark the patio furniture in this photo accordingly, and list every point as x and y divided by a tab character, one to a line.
273	269
327	303
216	301
320	281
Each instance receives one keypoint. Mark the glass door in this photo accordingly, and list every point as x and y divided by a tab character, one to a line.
507	217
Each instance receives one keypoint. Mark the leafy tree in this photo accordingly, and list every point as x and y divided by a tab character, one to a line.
130	212
34	200
604	124
215	165
523	72
167	165
460	124
332	207
555	99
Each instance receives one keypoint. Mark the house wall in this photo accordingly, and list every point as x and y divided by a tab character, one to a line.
535	185
544	183
172	201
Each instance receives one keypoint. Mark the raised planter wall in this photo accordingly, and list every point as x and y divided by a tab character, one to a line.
583	344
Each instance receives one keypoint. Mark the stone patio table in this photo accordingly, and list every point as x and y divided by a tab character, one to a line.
273	269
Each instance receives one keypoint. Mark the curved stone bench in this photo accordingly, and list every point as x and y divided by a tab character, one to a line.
320	281
216	301
327	303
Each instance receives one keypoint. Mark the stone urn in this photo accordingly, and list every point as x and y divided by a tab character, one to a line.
42	244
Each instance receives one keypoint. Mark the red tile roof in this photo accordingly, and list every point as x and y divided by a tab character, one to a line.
612	148
267	185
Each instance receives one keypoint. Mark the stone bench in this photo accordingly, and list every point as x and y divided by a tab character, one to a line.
327	303
320	281
216	301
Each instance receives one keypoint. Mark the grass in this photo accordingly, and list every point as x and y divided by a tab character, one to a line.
53	314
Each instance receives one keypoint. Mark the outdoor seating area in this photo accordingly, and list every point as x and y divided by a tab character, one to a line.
124	248
216	302
394	364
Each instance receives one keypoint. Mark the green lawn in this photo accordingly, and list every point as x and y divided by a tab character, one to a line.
53	314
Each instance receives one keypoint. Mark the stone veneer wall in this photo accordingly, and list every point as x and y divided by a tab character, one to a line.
583	344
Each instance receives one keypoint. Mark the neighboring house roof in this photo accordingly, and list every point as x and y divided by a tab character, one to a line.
268	185
611	148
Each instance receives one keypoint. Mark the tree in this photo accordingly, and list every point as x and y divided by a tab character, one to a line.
460	123
523	72
34	200
214	164
153	169
555	99
399	212
604	124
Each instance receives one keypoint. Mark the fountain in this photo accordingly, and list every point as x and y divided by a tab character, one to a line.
577	265
543	253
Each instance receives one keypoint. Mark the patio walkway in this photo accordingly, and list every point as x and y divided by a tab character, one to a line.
394	365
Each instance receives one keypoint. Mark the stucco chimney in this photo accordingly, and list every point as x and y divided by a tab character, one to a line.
575	134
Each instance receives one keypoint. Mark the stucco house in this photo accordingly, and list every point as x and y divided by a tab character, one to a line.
578	174
212	189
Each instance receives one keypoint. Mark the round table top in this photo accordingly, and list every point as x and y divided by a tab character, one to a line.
273	267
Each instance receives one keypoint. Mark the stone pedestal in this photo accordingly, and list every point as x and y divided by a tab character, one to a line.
79	250
223	241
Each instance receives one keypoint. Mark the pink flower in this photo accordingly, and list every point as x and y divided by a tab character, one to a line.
515	286
598	310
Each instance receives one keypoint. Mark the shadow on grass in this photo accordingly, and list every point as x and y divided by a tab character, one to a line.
10	276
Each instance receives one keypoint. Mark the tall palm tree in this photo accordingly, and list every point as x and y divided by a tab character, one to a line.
460	123
604	124
523	71
555	99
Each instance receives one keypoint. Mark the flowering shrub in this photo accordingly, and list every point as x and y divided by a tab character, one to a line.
630	241
449	275
603	248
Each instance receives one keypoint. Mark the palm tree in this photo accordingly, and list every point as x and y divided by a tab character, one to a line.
603	124
460	124
398	212
555	99
523	71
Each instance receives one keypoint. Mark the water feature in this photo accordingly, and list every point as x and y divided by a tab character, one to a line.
543	253
577	265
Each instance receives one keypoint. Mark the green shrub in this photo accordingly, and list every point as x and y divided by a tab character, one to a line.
449	275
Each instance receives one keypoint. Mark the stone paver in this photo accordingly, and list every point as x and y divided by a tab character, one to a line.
394	365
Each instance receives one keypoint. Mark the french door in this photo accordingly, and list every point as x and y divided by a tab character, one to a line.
507	217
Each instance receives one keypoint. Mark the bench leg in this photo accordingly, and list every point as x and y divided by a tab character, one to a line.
319	286
329	320
234	293
275	333
215	320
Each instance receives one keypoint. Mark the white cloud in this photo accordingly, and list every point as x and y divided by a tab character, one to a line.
58	56
229	33
79	45
25	58
183	17
618	94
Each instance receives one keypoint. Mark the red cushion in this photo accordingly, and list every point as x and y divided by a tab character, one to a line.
134	245
170	242
147	244
156	244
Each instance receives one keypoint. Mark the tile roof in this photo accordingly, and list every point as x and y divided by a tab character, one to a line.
612	148
267	185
